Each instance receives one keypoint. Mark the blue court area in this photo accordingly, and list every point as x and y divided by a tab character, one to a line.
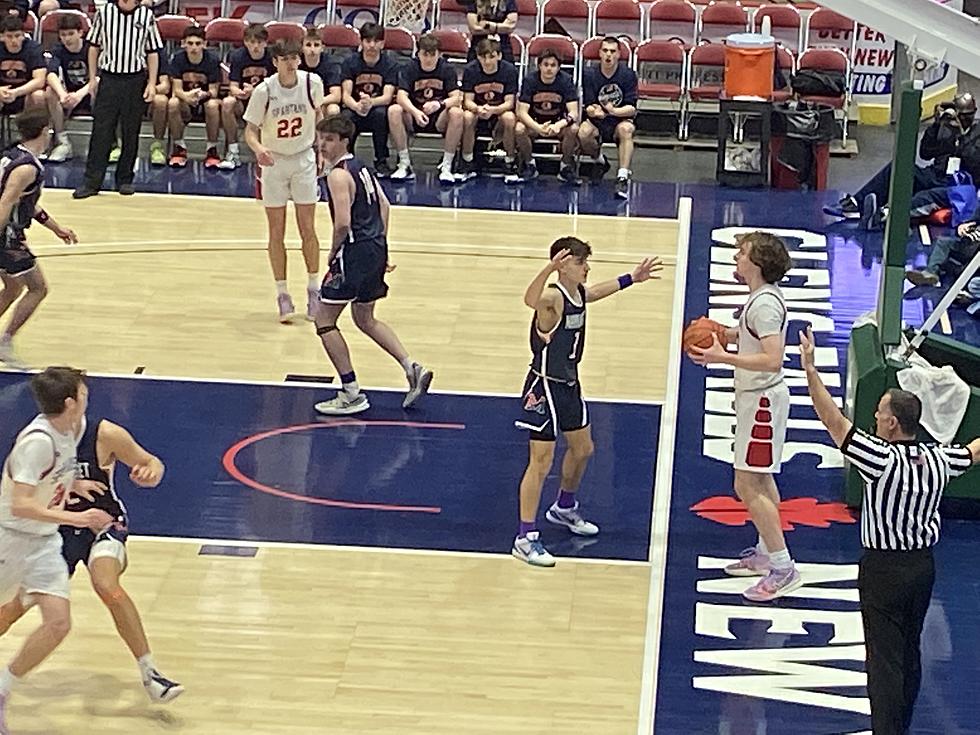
252	462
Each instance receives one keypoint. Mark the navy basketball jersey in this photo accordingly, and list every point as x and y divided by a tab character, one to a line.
89	469
365	212
23	212
558	356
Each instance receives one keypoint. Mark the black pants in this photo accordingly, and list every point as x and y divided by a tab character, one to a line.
119	102
895	588
928	190
376	123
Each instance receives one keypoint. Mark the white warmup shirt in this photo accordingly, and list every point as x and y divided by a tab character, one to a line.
286	115
764	315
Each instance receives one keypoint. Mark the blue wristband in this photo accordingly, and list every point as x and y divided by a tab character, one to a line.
625	281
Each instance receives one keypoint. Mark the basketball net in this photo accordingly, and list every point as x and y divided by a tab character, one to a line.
408	14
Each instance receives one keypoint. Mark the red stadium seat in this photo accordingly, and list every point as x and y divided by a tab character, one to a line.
829	59
786	67
565	47
31	25
673	20
282	30
338	38
590	51
172	27
399	40
785	24
706	69
618	18
449	15
47	33
568	17
720	19
452	43
661	69
225	30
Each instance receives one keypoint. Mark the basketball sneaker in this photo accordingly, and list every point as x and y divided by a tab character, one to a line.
623	187
600	167
178	159
312	304
160	689
777	583
512	173
571	519
382	168
567	175
848	208
211	158
403	172
530	549
231	161
286	309
343	404
418	385
465	170
3	715
62	151
158	154
750	564
446	175
115	153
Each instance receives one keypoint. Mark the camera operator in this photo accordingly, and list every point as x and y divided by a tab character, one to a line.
953	133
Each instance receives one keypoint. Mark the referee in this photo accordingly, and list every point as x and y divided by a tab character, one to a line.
904	481
125	54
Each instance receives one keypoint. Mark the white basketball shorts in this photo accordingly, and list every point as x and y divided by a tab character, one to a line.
31	564
290	178
760	428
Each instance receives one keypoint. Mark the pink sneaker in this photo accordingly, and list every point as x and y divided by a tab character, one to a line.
776	584
312	304
286	309
750	564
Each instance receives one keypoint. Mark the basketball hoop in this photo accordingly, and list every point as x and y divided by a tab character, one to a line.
408	14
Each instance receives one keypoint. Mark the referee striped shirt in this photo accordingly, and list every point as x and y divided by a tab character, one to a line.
904	482
124	38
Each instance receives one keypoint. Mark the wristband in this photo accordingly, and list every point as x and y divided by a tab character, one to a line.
625	281
41	216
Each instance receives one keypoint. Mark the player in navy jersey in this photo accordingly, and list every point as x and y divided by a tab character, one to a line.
325	66
369	81
21	179
22	68
491	19
547	108
68	90
248	67
195	73
609	98
429	101
358	264
489	101
552	400
102	445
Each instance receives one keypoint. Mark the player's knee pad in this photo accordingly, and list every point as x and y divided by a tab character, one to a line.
320	331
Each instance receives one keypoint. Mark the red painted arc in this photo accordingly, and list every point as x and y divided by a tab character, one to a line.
228	461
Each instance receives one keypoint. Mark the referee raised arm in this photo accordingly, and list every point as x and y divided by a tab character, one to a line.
123	62
904	481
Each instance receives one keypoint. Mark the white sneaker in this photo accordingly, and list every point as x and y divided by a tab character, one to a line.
570	519
287	312
9	358
62	151
230	162
418	385
530	549
343	404
312	304
446	175
160	689
403	172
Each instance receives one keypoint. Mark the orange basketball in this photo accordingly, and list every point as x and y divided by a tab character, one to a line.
699	333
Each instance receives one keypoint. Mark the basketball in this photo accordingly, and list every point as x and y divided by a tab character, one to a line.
699	332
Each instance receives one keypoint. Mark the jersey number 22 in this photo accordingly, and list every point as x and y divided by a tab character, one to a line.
289	128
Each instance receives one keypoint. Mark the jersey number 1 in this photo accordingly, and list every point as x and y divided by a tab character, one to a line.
578	338
289	128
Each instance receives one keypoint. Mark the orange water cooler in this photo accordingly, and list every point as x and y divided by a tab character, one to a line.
750	59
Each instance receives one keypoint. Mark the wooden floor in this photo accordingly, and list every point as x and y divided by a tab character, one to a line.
321	640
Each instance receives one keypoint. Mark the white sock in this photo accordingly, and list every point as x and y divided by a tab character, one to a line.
447	158
233	147
7	681
281	287
146	665
62	137
468	157
761	547
180	143
407	365
624	173
508	159
352	389
404	159
781	559
313	284
212	144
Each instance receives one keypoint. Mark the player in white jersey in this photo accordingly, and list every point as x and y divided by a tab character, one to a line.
761	410
38	476
280	129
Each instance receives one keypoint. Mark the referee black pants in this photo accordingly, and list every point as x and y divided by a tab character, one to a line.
895	588
119	102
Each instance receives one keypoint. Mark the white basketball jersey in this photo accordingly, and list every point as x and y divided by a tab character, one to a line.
764	314
286	115
52	490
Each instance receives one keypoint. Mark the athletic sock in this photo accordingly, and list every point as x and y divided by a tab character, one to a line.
447	158
179	143
147	667
781	559
282	287
624	173
62	137
404	159
7	681
761	548
313	284
566	500
526	528
349	383
233	147
408	365
468	157
212	144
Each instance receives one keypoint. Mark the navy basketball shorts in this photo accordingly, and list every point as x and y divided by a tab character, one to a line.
607	127
83	545
15	257
357	274
551	406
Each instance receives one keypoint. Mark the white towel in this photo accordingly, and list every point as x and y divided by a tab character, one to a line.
943	393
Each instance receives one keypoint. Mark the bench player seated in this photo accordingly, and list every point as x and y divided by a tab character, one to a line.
195	74
609	99
324	66
248	67
428	101
548	108
68	90
489	95
369	80
23	70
